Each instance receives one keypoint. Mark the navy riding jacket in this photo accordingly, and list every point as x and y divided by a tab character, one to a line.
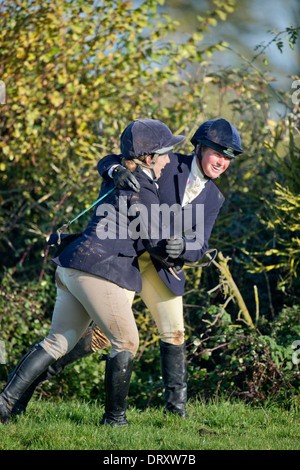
108	245
201	213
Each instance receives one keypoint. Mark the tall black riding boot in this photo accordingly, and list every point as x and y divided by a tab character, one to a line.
33	364
117	380
92	340
173	366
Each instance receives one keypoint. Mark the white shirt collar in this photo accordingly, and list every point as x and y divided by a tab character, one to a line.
195	184
149	174
196	172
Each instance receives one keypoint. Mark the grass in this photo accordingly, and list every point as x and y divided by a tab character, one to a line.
213	426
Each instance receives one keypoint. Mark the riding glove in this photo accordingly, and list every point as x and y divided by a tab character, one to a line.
174	247
123	178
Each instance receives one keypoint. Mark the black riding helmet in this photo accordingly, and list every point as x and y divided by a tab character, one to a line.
219	135
147	137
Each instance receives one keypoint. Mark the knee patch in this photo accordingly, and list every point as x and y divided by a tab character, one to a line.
173	337
57	344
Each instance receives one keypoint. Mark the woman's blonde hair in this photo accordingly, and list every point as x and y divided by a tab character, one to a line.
132	165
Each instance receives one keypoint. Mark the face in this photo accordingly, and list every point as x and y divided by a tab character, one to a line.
213	162
161	162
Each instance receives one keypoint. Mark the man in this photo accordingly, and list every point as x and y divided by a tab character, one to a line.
186	182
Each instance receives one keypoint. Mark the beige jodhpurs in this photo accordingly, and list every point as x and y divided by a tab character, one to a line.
83	297
165	307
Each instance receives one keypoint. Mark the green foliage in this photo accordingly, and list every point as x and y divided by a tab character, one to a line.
75	75
283	220
66	80
23	320
223	357
256	366
289	34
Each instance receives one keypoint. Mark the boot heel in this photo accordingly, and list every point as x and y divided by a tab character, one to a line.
33	364
117	381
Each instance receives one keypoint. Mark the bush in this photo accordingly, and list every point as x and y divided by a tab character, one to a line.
256	365
68	98
224	357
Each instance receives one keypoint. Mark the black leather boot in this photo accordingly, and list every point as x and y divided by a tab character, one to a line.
35	361
117	380
92	340
173	366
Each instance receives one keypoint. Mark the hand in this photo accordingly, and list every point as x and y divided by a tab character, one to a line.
123	178
174	247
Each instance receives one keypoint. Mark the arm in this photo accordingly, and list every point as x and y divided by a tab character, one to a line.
106	163
110	168
192	245
196	248
145	225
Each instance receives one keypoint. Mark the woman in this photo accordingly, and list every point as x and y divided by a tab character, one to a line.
98	274
188	181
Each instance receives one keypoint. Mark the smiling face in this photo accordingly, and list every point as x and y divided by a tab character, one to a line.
213	162
160	163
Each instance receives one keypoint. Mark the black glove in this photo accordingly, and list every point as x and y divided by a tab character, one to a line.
159	254
158	251
123	178
174	247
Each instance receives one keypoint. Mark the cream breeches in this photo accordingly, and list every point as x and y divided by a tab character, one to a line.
83	297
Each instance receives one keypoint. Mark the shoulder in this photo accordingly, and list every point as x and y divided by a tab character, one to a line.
180	165
148	193
148	185
143	178
214	192
106	162
181	160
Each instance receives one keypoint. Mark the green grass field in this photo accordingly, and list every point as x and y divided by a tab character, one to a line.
214	426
